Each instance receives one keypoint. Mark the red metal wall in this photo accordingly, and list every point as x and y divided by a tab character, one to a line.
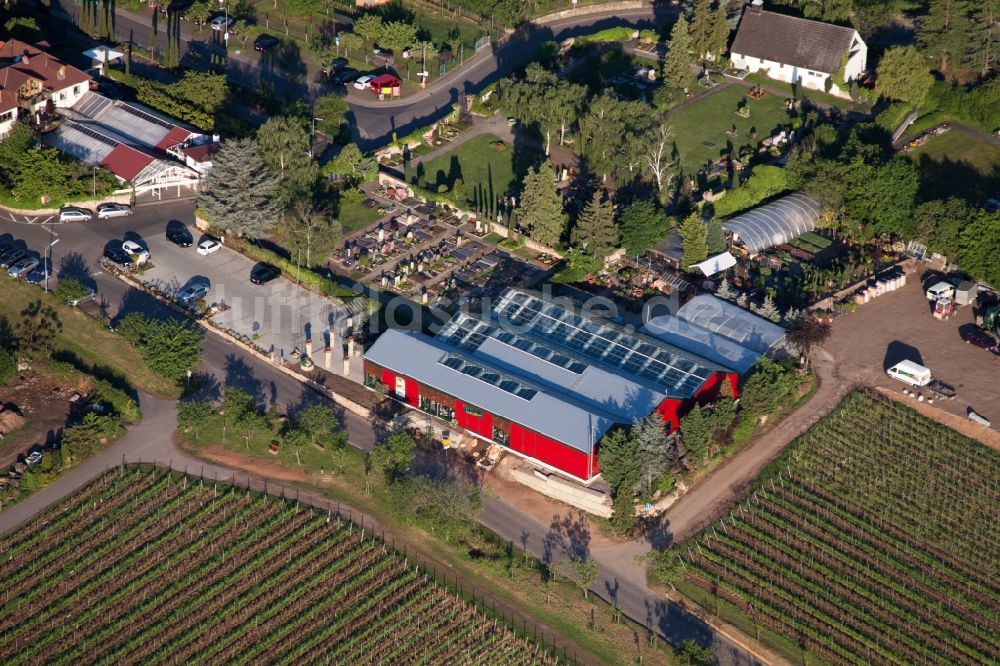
551	452
672	409
481	425
412	394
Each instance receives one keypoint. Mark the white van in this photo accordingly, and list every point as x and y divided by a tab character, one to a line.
910	373
940	290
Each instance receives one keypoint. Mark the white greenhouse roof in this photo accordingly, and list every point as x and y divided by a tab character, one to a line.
775	223
733	322
720	349
716	264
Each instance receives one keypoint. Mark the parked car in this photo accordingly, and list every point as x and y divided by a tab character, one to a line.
384	81
221	23
23	266
176	7
979	338
338	64
11	257
108	210
180	237
265	42
118	256
361	83
37	276
140	253
74	214
263	273
33	458
344	76
208	246
192	293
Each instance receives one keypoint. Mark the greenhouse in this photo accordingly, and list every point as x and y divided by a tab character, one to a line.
733	322
775	223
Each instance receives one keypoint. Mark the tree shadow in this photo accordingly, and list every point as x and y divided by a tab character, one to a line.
240	375
569	535
74	266
944	177
101	372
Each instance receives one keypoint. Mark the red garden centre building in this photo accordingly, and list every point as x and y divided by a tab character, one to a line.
543	380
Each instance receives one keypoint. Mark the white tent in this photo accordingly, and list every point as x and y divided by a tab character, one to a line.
716	264
103	54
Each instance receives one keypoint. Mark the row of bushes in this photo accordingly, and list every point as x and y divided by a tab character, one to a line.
306	276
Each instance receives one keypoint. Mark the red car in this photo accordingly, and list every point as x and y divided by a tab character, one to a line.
384	81
979	338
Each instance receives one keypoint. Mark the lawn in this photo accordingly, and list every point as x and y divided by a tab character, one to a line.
89	340
957	162
354	215
480	170
699	129
799	92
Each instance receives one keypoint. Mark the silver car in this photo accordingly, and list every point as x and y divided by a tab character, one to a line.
108	210
23	267
74	214
192	293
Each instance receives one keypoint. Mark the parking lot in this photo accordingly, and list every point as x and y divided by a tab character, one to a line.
278	315
900	325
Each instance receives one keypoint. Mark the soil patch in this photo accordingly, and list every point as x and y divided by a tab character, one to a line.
43	400
246	463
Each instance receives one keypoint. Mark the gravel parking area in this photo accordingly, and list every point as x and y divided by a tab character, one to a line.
278	315
900	325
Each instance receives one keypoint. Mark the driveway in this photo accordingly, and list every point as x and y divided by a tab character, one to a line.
278	315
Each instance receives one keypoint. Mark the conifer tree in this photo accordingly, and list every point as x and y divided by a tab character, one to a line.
240	192
694	237
595	231
677	64
542	206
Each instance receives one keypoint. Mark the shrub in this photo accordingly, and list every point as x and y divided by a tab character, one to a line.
8	366
120	402
70	289
308	277
764	183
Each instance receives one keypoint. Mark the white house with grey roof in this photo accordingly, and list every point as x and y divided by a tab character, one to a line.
797	50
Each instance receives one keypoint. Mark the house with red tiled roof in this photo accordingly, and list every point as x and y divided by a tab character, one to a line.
36	81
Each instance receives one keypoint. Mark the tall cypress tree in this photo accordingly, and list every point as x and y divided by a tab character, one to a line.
595	230
677	64
694	239
718	39
542	206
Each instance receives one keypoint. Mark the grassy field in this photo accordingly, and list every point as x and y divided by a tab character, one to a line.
162	567
513	577
354	215
873	539
699	129
816	96
89	340
957	162
477	170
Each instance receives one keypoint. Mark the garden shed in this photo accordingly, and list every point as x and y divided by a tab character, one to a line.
775	223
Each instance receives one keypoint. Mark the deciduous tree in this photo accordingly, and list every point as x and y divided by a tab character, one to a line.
331	111
903	75
369	26
38	328
660	160
286	148
394	455
808	334
397	36
240	193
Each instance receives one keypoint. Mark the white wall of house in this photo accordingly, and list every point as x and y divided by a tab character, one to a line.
67	97
7	120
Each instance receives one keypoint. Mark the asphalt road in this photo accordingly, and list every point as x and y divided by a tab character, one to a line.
78	253
373	122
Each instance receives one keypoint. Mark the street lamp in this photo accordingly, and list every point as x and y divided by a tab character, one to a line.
95	186
225	29
48	261
312	136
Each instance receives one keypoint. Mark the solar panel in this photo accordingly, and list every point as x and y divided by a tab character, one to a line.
83	129
488	376
145	116
594	340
